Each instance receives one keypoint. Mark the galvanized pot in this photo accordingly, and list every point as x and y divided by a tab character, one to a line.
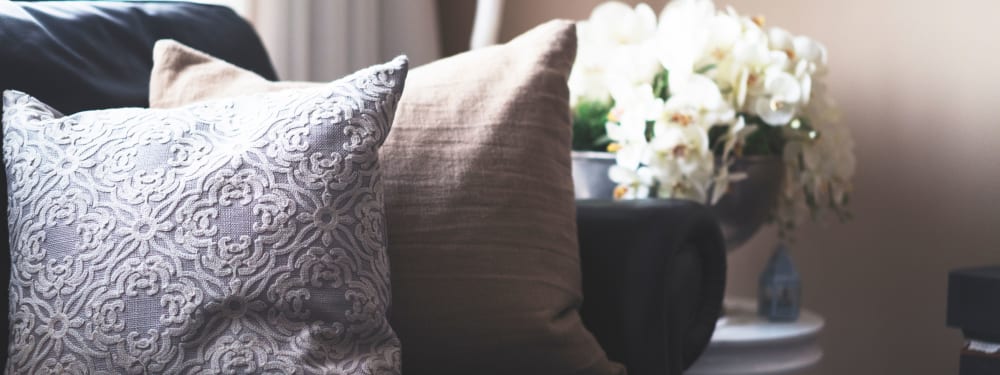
741	212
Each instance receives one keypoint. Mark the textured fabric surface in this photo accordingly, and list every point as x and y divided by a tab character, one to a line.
482	225
242	235
84	55
183	75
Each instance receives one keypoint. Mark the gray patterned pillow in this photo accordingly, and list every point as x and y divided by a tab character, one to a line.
241	235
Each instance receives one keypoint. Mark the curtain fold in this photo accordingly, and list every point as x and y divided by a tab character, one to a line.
321	40
486	24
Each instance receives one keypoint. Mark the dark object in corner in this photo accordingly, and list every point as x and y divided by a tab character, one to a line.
974	302
974	307
78	56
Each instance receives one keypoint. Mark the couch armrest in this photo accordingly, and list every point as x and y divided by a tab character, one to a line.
654	274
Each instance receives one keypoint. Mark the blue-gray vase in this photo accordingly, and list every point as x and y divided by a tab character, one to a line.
780	289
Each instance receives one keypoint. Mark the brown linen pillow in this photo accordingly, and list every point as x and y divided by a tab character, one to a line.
479	203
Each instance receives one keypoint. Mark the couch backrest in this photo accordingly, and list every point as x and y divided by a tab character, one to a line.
83	55
79	55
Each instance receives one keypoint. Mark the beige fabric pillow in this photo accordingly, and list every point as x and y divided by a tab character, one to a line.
479	199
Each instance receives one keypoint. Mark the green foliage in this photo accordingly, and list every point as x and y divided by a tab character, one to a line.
661	85
589	118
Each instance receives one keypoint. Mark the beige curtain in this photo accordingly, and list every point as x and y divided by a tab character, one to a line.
486	25
321	40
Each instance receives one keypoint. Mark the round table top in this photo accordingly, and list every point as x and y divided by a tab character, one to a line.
742	326
745	344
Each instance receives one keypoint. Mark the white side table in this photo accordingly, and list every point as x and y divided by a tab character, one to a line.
745	344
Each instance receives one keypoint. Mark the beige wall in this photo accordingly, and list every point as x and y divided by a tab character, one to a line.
918	84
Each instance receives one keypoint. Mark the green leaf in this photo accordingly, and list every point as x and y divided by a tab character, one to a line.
705	69
661	85
589	118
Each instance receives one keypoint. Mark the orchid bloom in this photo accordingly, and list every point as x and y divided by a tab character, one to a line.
614	45
696	100
780	101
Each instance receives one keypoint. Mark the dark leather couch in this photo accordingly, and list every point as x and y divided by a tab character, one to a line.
654	271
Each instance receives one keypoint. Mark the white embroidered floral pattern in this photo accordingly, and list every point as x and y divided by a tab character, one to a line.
240	236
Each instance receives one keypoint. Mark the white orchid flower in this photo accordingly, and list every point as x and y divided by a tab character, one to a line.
720	64
634	180
682	36
781	40
587	83
681	161
806	56
636	98
630	156
725	29
678	142
756	55
780	100
805	81
812	62
630	129
752	59
798	48
695	100
587	80
812	51
632	183
614	44
631	64
626	47
634	106
616	23
692	185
